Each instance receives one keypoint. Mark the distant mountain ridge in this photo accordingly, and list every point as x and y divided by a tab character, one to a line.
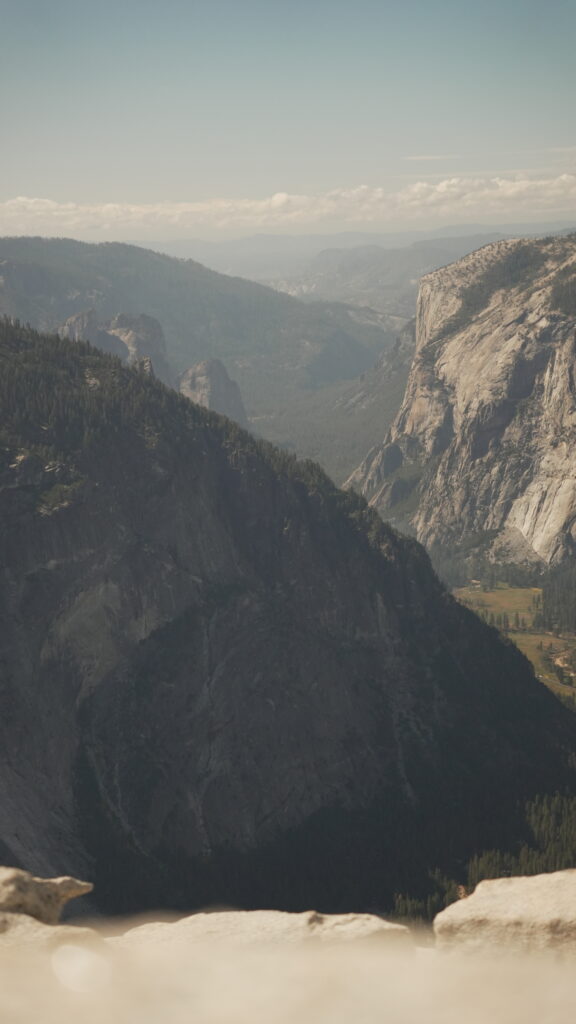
280	351
383	279
268	257
203	313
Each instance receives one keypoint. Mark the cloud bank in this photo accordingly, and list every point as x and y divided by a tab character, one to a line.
456	198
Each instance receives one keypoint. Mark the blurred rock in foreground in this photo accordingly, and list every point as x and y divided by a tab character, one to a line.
266	927
518	914
41	898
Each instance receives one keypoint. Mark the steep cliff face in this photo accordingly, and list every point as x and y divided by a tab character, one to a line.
483	445
221	679
209	385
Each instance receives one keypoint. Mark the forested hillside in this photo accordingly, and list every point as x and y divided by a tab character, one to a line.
223	680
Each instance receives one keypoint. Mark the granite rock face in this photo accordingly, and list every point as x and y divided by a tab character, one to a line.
521	915
483	444
144	339
223	680
136	339
209	385
86	326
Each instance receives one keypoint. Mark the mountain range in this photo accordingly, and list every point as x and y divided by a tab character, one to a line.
222	680
283	353
380	278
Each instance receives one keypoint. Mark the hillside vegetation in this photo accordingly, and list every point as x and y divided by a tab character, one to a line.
226	681
282	352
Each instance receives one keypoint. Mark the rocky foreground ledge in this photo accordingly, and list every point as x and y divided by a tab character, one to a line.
275	968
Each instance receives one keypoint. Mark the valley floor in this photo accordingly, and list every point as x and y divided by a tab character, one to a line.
515	611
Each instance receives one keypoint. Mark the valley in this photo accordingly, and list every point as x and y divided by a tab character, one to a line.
516	612
322	378
225	680
233	665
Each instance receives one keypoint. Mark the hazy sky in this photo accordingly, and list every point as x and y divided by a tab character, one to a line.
166	118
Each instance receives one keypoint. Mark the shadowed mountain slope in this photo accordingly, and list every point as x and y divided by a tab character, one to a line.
222	679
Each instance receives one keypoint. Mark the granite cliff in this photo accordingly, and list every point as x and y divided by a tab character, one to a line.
482	450
136	339
222	679
208	384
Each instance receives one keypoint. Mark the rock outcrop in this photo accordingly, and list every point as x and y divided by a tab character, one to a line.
271	968
42	898
223	681
86	326
266	928
144	340
30	910
209	385
514	915
137	339
481	450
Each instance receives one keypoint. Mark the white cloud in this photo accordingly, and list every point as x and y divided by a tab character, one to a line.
455	197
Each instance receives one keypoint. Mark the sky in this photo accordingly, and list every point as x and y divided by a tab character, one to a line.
166	119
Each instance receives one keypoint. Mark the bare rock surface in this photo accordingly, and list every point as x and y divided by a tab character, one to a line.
144	339
527	914
267	927
209	385
137	339
306	984
86	326
482	447
41	898
23	930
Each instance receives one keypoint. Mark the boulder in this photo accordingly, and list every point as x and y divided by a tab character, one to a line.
22	930
209	385
40	898
531	914
268	927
